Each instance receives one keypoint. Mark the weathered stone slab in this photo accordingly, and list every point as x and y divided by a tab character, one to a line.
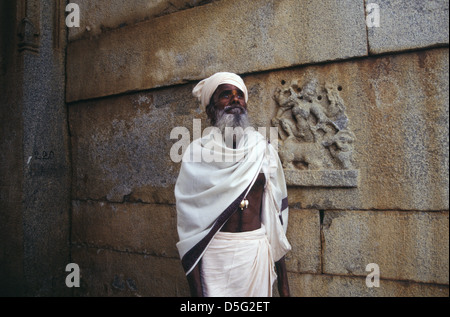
304	236
121	146
320	285
408	25
110	273
412	246
98	16
129	227
195	43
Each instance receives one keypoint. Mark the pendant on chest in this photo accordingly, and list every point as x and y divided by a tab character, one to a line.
244	204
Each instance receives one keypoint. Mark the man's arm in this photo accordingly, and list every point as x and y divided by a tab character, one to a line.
283	284
195	281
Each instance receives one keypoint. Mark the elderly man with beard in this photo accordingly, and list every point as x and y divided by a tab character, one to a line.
231	213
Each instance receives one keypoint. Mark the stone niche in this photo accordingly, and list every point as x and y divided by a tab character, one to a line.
315	141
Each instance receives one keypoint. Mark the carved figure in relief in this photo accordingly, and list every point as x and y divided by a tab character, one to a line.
306	153
341	148
312	126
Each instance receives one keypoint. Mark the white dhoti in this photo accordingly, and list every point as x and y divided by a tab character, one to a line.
238	265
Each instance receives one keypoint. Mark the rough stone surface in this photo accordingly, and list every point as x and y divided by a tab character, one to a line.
330	178
311	285
121	146
99	16
34	163
129	227
412	246
263	36
105	272
407	25
46	166
304	236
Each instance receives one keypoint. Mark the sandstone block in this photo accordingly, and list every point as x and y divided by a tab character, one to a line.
410	246
142	228
99	16
121	145
110	273
407	25
304	236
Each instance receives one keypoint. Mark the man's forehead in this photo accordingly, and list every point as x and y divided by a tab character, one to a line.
226	87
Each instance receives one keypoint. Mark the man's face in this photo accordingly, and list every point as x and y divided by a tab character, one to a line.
230	99
229	109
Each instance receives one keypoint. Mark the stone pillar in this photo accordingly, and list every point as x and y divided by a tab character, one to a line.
34	164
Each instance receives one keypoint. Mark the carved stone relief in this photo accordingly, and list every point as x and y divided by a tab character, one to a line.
316	144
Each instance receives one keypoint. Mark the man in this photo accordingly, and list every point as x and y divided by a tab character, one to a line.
232	210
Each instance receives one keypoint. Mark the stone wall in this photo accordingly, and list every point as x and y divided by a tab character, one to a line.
130	71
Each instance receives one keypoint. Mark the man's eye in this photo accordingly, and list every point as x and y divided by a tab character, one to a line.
228	95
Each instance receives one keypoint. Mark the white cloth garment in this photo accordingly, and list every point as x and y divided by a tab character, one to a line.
206	88
238	265
209	191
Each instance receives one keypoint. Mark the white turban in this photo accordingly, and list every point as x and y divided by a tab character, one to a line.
206	88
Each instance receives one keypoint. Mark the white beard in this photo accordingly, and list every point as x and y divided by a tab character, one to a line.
232	126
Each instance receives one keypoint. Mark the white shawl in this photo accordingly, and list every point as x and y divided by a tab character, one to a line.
212	182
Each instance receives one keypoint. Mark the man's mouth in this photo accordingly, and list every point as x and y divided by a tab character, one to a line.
234	110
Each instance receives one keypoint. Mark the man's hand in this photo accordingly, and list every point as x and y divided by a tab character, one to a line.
283	284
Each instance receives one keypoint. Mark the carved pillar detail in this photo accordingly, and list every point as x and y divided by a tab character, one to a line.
29	25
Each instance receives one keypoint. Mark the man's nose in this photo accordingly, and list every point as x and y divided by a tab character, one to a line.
234	96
